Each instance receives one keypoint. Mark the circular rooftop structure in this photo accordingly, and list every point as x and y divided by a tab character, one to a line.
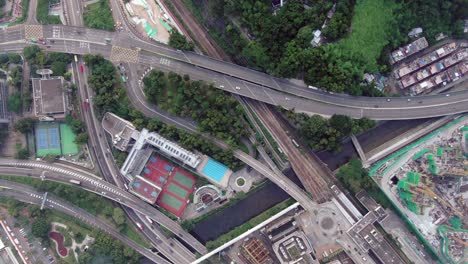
44	72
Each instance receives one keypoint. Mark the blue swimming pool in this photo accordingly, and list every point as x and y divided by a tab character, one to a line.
214	170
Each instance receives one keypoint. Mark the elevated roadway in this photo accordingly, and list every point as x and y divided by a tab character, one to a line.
175	252
100	151
276	176
30	195
94	184
240	80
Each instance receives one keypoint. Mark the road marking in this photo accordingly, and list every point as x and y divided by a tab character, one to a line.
33	31
165	61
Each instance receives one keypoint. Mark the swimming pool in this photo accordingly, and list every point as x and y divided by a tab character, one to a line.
214	170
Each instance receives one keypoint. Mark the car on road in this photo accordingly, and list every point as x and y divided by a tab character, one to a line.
139	226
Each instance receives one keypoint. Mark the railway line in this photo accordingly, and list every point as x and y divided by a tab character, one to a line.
308	169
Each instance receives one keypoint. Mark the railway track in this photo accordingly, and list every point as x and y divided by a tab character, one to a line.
203	38
308	168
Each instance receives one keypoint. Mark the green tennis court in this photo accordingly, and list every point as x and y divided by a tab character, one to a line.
177	190
171	201
69	146
183	180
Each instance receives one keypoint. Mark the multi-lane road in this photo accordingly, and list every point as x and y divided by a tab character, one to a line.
27	194
90	182
234	78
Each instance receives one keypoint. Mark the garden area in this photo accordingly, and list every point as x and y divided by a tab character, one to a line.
42	12
99	16
212	108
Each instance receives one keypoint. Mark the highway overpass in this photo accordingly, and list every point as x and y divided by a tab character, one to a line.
231	77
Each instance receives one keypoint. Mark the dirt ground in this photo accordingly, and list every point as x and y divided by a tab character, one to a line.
151	15
13	138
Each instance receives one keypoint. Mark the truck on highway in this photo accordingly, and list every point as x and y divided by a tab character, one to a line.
75	182
81	68
139	226
76	58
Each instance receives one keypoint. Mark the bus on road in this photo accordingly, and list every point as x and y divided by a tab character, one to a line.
75	182
76	58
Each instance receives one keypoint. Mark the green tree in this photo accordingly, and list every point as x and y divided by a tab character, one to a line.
14	207
256	55
342	123
118	216
82	138
31	52
14	102
354	176
179	41
25	125
14	58
22	153
40	228
76	124
59	68
4	59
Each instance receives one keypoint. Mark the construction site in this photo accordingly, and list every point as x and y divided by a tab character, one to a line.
428	181
152	19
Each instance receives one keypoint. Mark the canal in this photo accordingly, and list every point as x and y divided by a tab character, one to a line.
270	194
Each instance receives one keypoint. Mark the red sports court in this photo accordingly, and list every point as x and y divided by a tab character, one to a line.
177	184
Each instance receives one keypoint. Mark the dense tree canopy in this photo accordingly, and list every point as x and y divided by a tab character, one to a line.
210	107
25	125
320	133
179	41
105	245
40	228
110	96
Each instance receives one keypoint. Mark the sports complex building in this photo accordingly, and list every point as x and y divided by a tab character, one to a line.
159	170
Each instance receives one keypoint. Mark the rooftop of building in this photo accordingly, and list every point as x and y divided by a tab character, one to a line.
293	248
48	96
409	50
120	129
256	252
144	189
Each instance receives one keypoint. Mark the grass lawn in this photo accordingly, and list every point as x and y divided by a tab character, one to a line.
371	21
42	12
134	234
99	16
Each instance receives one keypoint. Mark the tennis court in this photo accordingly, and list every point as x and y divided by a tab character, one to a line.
177	184
47	139
69	146
177	190
183	180
173	202
157	170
